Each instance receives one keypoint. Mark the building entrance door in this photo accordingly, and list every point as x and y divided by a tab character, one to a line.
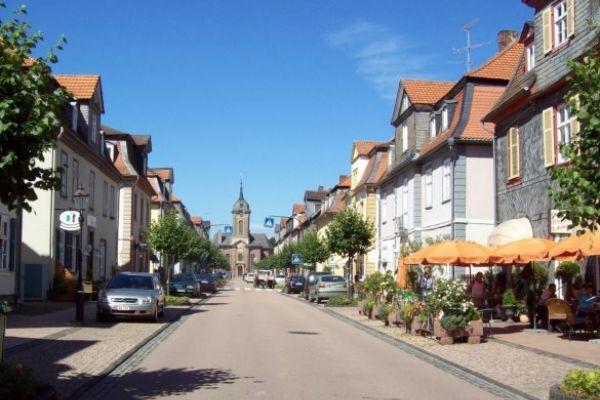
240	270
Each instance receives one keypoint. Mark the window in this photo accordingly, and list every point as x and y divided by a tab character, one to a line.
558	127
444	118
69	250
75	184
92	189
240	227
446	176
513	153
4	242
105	199
113	200
559	13
405	204
404	138
240	256
432	127
93	127
530	56
558	22
563	129
428	189
102	261
74	115
64	175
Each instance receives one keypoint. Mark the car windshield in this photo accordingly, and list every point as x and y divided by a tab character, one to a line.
298	278
182	278
206	277
332	278
130	282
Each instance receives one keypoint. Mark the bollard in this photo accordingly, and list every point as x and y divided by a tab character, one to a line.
5	308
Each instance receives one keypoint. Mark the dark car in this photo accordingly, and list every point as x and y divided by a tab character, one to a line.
295	284
184	284
310	280
208	282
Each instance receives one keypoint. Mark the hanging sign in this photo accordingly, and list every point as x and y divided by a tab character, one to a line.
69	220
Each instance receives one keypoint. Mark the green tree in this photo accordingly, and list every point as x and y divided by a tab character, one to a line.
31	104
349	235
169	237
312	250
577	192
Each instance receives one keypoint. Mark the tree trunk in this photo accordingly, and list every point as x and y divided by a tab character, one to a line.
350	277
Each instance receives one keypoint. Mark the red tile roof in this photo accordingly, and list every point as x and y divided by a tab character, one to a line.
175	199
165	174
425	92
80	86
196	220
363	148
501	65
345	182
298	209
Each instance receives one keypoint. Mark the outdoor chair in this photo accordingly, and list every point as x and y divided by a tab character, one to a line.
486	318
560	310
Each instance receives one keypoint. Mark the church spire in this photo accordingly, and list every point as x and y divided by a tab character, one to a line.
241	189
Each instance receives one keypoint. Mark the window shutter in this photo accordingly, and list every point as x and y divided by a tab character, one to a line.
13	244
548	132
547	29
570	18
513	153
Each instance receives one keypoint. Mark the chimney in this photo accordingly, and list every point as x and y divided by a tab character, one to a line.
505	38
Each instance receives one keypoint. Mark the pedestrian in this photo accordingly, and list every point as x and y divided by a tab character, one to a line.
477	290
426	284
541	309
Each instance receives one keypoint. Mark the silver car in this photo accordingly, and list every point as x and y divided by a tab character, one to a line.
132	295
327	286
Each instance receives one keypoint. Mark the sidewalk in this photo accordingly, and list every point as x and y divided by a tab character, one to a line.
528	362
69	355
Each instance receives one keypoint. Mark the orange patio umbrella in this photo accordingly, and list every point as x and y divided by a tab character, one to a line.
522	251
455	252
577	246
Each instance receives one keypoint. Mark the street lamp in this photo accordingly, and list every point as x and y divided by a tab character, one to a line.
80	198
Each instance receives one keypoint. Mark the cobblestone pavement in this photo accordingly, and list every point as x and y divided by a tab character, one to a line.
519	368
73	356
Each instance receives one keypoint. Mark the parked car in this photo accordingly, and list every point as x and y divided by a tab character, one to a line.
184	284
264	279
208	282
280	279
310	280
295	284
249	277
327	286
132	295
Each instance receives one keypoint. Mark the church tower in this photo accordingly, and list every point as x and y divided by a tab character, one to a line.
241	218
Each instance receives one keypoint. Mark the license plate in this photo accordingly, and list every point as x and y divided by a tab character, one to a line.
298	284
122	308
203	281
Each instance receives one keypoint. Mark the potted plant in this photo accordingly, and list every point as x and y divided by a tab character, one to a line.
369	305
578	384
509	303
566	271
522	311
383	312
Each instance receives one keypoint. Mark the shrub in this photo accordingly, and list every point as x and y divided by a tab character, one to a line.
508	298
373	284
384	311
567	270
177	300
411	311
454	322
340	301
17	382
583	384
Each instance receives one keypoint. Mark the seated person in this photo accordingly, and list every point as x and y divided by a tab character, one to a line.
586	301
541	309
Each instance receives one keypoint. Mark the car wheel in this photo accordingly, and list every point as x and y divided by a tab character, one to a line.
162	310
318	300
100	317
155	315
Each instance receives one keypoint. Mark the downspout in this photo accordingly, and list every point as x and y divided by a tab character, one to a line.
452	202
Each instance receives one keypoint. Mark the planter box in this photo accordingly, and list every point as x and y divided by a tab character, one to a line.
375	312
473	331
557	394
394	318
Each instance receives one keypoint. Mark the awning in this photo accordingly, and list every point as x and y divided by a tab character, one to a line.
509	231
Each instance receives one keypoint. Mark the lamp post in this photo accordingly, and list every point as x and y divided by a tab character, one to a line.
80	199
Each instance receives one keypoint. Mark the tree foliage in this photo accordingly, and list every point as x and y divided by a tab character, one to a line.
169	237
31	105
312	250
577	193
349	235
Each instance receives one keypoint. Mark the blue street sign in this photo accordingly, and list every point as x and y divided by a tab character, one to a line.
269	222
296	259
228	229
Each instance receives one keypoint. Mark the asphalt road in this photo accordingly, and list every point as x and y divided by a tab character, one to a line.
251	344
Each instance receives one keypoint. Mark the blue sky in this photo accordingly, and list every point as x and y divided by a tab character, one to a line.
274	90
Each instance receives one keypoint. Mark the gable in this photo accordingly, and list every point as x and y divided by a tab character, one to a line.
402	103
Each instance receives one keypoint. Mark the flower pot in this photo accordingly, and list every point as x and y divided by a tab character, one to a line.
473	330
524	318
508	312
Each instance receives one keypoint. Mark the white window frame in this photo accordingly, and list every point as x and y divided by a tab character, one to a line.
564	135
404	138
446	179
105	199
445	118
428	188
530	56
559	23
432	127
64	176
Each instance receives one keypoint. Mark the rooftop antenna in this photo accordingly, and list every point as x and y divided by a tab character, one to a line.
469	47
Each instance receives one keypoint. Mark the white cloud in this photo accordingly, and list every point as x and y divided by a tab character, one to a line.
383	57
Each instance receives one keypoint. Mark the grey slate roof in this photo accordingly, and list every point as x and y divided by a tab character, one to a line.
256	240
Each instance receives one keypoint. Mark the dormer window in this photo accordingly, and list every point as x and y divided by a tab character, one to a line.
93	127
444	118
530	56
74	115
558	24
432	127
